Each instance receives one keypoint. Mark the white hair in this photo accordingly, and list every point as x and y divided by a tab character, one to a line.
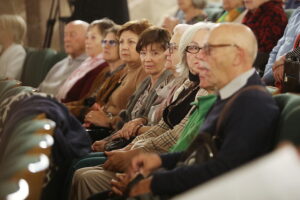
186	39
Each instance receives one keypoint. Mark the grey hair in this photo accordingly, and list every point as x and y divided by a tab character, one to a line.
180	28
186	39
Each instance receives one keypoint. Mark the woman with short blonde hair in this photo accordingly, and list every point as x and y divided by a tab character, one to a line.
12	54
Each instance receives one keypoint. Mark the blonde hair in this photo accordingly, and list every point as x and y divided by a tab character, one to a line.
14	25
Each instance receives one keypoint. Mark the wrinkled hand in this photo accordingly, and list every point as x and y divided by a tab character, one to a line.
142	187
119	184
118	161
99	145
278	69
144	163
129	129
97	118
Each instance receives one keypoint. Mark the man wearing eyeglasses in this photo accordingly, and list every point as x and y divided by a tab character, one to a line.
245	133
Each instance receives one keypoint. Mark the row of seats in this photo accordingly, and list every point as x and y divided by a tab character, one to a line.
37	64
25	148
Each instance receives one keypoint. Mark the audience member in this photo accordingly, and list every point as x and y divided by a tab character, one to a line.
78	83
230	58
267	20
234	11
158	139
74	42
189	12
100	92
274	68
292	4
12	53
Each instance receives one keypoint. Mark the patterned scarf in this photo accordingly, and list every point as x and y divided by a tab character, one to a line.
231	15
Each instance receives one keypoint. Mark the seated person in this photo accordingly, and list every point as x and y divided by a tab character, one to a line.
160	138
128	83
12	53
234	11
189	12
101	93
274	68
74	42
78	82
152	41
267	20
292	4
250	120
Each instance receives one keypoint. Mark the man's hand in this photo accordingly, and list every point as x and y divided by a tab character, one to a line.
118	161
99	145
119	184
142	187
144	163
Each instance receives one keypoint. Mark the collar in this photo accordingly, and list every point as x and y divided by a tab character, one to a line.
236	84
81	58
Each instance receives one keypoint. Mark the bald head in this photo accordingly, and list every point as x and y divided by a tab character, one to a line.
238	34
74	37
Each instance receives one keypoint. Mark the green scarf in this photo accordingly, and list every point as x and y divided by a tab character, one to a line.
231	15
190	131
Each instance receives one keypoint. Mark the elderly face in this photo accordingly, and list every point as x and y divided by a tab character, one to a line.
127	47
93	42
153	59
253	4
74	39
172	53
207	80
110	47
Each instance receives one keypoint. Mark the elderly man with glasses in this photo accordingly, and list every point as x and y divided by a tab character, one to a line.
241	122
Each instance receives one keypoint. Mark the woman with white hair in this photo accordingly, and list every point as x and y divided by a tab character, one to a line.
12	53
189	12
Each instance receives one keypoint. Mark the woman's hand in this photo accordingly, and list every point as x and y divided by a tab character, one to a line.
98	118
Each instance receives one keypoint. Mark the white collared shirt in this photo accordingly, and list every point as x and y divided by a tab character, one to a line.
236	84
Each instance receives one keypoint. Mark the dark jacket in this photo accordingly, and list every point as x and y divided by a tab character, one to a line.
247	133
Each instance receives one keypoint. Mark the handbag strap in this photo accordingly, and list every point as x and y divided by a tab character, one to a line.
227	106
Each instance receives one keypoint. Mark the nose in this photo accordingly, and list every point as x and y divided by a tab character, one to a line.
166	52
201	55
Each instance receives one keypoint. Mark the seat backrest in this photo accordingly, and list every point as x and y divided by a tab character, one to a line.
289	123
37	64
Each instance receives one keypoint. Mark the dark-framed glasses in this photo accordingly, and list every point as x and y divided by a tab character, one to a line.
207	48
109	42
172	47
193	49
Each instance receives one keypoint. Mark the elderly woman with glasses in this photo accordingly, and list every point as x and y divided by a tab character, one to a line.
78	83
100	91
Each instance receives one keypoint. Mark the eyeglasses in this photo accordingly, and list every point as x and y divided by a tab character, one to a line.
208	47
193	49
109	42
172	47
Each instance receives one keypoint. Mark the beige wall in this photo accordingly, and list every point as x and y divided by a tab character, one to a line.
36	13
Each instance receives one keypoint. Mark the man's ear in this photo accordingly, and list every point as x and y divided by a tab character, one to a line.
239	58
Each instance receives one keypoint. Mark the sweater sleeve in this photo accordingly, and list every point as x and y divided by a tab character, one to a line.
254	129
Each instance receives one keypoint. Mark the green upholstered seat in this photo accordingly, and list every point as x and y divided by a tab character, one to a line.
6	85
289	122
37	64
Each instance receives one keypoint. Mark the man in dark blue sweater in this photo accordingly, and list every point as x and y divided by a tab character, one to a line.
246	133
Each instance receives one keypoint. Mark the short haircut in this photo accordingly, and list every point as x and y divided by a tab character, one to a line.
153	35
102	25
15	25
187	38
115	29
136	26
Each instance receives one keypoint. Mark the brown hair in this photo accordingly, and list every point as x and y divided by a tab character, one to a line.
115	29
102	25
15	25
153	35
136	26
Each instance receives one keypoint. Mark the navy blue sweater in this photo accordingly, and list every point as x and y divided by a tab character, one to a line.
248	132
